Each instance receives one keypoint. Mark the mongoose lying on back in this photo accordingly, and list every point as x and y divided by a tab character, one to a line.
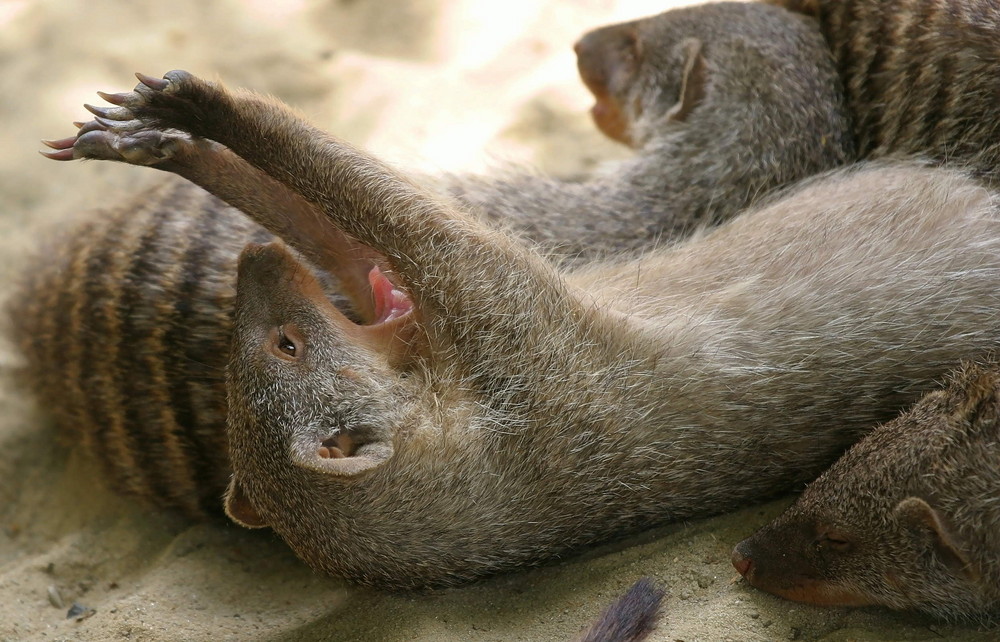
503	411
920	77
908	518
127	326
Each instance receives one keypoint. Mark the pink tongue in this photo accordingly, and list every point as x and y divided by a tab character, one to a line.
390	303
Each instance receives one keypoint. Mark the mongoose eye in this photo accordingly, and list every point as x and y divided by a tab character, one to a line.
835	542
286	343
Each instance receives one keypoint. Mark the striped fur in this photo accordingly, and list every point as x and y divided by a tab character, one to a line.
130	318
921	76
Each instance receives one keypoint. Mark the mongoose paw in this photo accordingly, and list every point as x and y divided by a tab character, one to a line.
129	142
142	127
139	127
173	102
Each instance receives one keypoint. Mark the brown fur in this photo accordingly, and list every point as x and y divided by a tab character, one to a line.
908	518
920	75
519	411
127	325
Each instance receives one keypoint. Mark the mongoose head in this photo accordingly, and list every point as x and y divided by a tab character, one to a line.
315	400
896	521
642	72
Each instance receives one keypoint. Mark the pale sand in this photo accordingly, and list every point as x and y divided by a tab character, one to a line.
428	84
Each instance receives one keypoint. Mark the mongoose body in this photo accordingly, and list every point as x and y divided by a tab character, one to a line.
909	518
920	77
504	411
127	326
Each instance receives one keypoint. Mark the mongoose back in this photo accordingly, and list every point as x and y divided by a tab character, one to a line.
908	518
503	411
127	326
920	76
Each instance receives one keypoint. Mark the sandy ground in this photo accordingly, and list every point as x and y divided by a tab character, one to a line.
432	84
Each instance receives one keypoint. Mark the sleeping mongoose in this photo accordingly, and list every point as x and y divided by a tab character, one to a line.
909	518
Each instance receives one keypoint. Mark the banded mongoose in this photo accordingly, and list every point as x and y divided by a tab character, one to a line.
127	326
920	76
909	518
507	411
723	103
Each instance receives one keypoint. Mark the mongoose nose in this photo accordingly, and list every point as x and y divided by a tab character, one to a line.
742	563
588	60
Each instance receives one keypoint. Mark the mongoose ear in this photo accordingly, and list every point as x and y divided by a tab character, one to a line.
692	82
979	387
238	507
339	456
920	517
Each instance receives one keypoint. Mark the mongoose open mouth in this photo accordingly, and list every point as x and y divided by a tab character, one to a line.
391	303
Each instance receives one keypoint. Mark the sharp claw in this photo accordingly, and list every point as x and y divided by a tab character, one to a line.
62	143
159	84
108	122
78	124
92	126
113	113
60	155
115	99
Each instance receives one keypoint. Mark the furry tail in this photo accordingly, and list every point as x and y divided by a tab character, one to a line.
630	619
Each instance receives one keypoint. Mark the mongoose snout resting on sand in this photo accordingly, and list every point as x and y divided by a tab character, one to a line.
505	411
127	324
908	518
